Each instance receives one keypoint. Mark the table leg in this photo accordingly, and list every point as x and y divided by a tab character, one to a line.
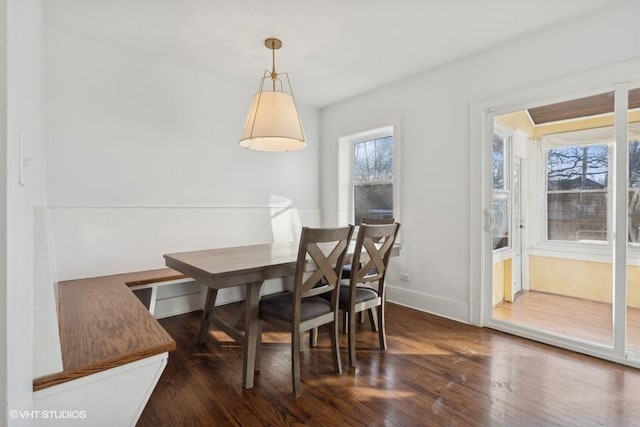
251	330
207	314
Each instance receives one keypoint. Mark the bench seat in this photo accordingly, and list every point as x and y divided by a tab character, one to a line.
103	325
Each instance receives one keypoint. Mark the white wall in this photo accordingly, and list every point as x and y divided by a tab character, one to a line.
434	111
125	130
23	122
4	319
143	159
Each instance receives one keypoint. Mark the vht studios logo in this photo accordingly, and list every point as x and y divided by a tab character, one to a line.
48	415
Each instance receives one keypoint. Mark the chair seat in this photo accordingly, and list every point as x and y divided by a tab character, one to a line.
362	294
346	271
280	306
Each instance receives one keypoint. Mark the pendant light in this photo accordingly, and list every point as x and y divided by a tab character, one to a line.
273	122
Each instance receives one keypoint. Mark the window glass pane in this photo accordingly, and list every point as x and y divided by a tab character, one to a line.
373	201
500	220
577	168
633	266
577	216
634	191
373	179
634	216
634	164
373	160
498	162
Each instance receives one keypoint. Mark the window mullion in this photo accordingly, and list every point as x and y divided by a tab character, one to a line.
620	221
611	152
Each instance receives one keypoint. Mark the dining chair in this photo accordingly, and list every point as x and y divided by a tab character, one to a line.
366	288
346	270
321	255
346	273
377	221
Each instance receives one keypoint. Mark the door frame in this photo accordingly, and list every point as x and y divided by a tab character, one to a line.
481	124
517	226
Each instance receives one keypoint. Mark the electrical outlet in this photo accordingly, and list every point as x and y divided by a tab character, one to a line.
405	277
21	164
24	161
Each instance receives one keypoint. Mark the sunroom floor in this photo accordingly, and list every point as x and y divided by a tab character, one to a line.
571	317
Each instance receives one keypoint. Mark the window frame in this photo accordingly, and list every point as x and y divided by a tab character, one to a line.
597	251
346	179
507	135
545	146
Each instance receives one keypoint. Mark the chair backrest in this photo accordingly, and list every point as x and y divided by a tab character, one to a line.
371	253
321	256
377	221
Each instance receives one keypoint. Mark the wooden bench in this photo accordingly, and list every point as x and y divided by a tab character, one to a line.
104	325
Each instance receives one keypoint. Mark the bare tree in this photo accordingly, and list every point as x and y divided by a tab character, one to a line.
581	167
373	160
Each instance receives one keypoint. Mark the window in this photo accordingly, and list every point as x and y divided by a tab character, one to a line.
373	179
577	185
501	191
577	192
368	181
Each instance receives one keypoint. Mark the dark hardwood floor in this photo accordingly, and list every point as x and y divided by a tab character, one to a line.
436	372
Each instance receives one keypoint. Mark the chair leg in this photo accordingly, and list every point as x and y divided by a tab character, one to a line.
352	340
361	317
345	322
295	362
381	329
313	337
373	319
335	345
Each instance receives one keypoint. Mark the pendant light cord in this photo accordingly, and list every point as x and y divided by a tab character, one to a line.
274	75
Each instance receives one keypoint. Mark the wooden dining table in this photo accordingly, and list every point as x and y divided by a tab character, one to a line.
247	266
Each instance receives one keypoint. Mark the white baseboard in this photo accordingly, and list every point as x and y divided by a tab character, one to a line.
181	304
174	306
454	310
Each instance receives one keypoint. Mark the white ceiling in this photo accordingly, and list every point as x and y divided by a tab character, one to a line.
332	49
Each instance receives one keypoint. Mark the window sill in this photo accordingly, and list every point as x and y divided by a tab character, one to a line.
584	251
502	254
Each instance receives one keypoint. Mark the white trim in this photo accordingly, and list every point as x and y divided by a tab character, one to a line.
154	290
586	251
378	132
619	227
481	233
502	254
450	309
591	349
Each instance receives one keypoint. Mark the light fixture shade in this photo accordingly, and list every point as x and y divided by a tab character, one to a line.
273	123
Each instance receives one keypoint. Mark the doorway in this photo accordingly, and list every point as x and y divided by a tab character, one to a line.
566	175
